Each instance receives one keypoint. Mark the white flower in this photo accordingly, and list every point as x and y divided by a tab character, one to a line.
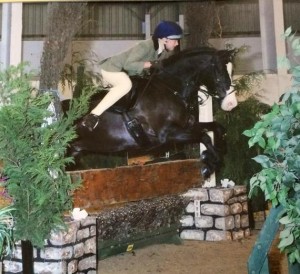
227	183
78	214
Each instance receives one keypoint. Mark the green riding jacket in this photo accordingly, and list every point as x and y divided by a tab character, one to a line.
131	61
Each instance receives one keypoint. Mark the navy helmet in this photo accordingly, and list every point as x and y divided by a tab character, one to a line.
168	29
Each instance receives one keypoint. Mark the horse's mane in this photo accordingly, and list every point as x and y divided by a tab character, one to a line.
191	52
224	55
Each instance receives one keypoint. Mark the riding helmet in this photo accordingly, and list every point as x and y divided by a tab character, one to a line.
168	29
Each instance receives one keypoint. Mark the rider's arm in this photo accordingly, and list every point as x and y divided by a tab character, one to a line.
139	58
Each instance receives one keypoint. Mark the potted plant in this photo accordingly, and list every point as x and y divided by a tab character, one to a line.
277	133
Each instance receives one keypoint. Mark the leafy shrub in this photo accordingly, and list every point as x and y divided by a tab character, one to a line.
33	153
278	134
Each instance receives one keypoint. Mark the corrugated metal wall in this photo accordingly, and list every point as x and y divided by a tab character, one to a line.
113	21
292	14
124	20
104	20
34	20
239	18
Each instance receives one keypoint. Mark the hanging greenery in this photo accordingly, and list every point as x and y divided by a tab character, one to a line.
33	151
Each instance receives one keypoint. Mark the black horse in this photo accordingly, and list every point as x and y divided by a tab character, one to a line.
163	111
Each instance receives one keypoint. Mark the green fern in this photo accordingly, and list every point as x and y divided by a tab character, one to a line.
34	155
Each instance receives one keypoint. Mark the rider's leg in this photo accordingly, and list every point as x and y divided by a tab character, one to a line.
121	85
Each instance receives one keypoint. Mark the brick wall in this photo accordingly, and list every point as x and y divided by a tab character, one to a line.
215	214
73	251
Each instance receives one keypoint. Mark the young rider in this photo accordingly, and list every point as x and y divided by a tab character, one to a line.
116	70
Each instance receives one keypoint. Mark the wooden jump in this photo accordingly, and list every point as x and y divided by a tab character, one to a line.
104	188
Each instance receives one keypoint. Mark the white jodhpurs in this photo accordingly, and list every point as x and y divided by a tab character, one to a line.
121	85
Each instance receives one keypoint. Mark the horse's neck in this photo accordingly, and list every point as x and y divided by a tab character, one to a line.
184	89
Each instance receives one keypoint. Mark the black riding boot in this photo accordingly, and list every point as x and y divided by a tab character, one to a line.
90	121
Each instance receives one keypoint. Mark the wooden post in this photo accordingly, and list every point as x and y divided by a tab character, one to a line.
11	46
258	260
147	26
206	115
27	257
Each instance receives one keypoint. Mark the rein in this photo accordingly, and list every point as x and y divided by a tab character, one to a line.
144	89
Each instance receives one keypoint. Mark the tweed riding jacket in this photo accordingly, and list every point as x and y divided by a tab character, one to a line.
131	61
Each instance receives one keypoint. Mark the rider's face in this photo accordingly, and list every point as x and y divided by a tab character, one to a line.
170	44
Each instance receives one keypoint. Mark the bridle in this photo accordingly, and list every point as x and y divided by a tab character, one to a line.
189	85
204	91
215	94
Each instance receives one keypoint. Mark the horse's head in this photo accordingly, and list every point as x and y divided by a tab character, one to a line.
218	79
207	68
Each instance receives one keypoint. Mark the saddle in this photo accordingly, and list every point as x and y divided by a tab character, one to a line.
124	105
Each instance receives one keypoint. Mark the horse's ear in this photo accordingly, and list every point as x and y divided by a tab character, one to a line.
227	55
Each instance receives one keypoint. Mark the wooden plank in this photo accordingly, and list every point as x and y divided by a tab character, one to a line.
258	259
104	188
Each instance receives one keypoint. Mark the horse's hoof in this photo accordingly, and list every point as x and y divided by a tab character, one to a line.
206	172
204	155
90	121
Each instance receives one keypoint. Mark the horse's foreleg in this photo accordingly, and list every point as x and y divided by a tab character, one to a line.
75	153
219	134
195	134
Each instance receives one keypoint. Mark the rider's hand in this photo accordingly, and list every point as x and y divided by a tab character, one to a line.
147	65
156	64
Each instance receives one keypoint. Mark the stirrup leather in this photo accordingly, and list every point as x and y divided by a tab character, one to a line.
136	130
